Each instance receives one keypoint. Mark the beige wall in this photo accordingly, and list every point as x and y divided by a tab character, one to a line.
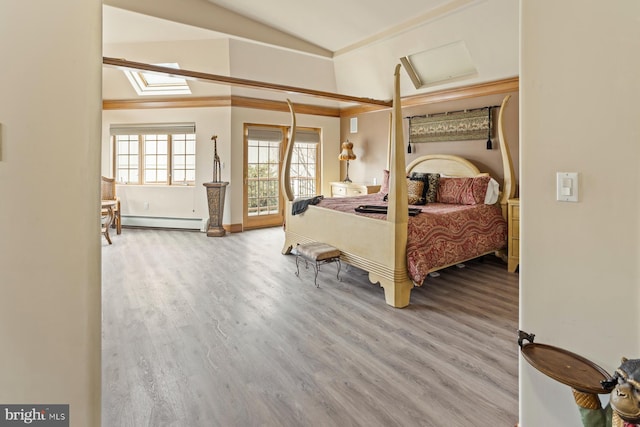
579	270
49	209
263	63
370	142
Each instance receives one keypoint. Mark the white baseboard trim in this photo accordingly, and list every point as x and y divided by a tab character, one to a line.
159	222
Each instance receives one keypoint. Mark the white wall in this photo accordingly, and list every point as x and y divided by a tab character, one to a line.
489	29
259	62
579	269
49	205
207	56
189	202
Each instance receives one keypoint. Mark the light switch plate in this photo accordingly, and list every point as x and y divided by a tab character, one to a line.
567	186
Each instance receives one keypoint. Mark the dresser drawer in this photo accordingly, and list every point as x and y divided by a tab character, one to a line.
338	190
515	230
355	191
350	189
515	212
515	248
513	252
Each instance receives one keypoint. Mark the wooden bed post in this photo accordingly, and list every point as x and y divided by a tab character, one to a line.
388	166
285	178
397	289
286	167
508	186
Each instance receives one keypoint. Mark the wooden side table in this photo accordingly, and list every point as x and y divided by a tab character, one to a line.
513	241
350	189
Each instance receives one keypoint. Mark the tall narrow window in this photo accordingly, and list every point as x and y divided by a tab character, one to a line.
127	158
304	160
263	177
184	158
156	154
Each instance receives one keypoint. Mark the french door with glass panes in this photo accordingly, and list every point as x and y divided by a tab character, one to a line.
263	153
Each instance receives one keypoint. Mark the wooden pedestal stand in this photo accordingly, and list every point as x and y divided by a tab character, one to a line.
215	197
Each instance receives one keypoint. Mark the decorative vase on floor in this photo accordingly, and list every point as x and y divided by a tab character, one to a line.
215	197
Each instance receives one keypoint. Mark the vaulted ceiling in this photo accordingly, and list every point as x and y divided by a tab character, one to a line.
362	40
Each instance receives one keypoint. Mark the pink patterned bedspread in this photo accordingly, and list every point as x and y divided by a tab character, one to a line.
442	234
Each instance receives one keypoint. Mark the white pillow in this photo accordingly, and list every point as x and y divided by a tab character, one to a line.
493	192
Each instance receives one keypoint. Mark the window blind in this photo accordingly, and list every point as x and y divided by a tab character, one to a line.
308	136
267	134
151	128
272	134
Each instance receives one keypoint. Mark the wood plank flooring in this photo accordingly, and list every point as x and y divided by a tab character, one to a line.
202	331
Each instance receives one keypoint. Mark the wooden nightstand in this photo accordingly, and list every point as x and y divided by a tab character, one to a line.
350	189
514	235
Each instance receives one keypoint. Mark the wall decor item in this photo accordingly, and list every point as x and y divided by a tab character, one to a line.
451	126
216	160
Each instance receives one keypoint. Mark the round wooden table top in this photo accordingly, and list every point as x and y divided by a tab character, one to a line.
566	367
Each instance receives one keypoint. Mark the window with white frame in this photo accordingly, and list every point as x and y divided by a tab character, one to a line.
146	83
304	163
154	154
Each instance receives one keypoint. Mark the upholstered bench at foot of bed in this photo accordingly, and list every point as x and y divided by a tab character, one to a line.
317	254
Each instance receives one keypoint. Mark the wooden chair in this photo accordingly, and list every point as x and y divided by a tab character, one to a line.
108	190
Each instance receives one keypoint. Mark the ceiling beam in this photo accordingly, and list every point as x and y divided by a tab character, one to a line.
216	101
234	81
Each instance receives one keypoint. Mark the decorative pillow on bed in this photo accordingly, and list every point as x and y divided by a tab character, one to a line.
414	191
430	180
463	191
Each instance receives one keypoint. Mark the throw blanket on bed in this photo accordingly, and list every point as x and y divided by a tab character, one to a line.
442	234
300	205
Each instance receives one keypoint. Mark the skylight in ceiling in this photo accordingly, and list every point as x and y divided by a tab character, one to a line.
441	64
146	83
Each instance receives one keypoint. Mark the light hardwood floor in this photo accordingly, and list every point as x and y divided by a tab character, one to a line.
202	331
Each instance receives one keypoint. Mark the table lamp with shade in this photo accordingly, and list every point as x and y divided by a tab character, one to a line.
347	154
